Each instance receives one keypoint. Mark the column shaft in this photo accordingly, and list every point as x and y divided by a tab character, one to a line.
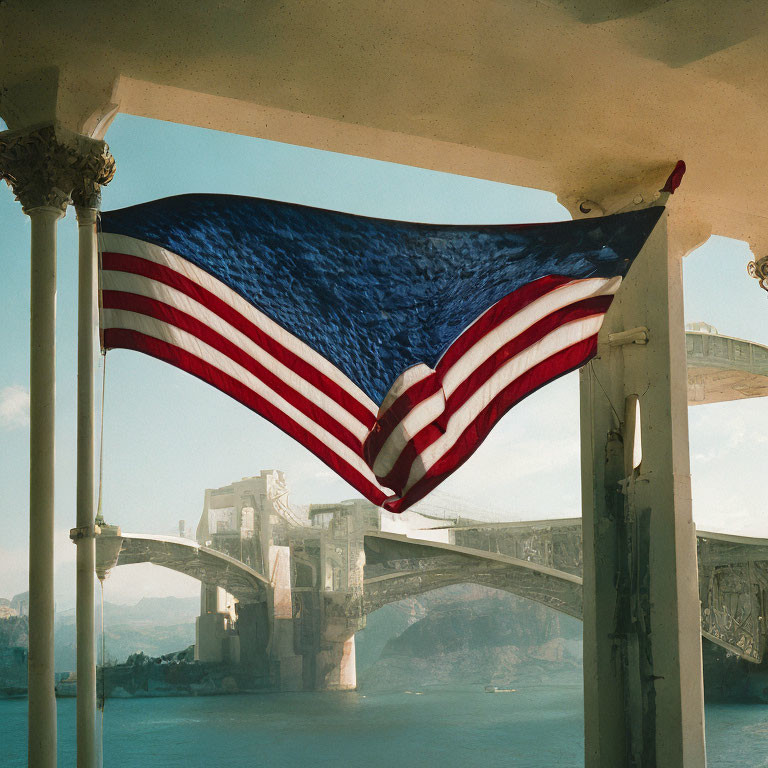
42	699
642	646
86	551
605	736
47	166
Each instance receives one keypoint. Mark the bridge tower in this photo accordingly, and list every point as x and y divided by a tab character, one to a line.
328	571
247	520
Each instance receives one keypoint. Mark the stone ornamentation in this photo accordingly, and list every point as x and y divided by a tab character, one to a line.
50	167
759	270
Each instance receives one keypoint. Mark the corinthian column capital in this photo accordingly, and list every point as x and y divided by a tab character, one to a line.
49	166
94	168
759	270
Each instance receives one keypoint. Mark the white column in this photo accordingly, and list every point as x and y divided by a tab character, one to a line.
86	550
43	166
643	689
95	168
42	391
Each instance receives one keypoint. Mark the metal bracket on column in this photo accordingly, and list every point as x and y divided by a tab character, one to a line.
623	192
84	532
638	335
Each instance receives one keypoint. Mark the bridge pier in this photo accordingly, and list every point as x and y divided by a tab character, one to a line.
643	692
334	666
215	637
326	623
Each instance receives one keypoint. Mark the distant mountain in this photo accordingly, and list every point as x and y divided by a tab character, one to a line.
478	636
457	635
154	625
14	632
164	610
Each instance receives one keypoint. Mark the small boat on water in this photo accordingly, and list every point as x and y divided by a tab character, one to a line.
496	689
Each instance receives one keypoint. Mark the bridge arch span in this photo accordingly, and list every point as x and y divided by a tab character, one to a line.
398	567
185	556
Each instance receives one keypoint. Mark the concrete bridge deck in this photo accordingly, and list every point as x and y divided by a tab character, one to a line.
538	560
398	566
184	556
724	368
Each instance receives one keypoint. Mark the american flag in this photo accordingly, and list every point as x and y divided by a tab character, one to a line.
388	349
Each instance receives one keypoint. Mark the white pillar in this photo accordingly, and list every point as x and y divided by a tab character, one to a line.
86	550
42	392
643	692
95	168
43	166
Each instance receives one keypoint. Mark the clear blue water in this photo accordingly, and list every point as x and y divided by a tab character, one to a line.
445	727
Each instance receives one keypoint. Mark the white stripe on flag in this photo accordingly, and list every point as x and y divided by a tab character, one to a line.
131	246
561	338
117	318
145	286
413	422
502	334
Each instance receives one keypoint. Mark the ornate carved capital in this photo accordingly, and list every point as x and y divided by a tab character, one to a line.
759	270
94	169
48	165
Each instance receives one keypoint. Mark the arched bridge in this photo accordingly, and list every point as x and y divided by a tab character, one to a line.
542	561
538	560
184	556
397	567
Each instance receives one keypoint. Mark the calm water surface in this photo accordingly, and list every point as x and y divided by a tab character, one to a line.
445	727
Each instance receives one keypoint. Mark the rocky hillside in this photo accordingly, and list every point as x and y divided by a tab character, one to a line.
155	626
14	632
474	635
14	639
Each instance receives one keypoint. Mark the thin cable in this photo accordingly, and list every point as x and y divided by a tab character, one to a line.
102	698
594	373
99	517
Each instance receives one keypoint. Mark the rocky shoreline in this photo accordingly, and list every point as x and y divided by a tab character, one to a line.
174	674
465	635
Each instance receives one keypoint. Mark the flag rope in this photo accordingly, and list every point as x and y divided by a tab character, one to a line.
99	520
99	517
600	384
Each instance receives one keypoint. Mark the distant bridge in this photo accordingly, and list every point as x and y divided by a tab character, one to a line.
184	556
723	368
305	585
398	566
539	560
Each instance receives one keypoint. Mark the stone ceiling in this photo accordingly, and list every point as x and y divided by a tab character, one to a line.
579	97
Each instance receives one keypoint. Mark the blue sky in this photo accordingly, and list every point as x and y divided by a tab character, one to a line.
169	436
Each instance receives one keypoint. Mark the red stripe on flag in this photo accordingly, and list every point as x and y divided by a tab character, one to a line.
397	477
502	310
161	350
143	305
121	262
596	305
396	413
557	365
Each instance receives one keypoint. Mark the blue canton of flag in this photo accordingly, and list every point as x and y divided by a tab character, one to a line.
388	349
